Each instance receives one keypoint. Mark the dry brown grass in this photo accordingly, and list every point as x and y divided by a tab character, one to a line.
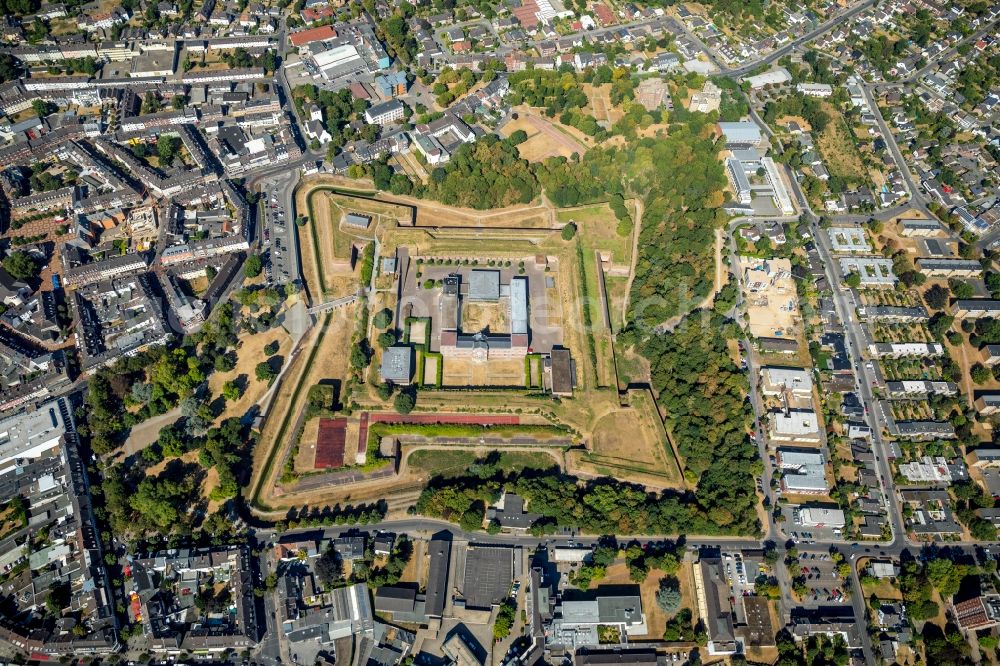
248	355
430	369
478	316
418	332
806	127
198	285
305	461
329	362
544	139
631	442
837	146
495	372
599	104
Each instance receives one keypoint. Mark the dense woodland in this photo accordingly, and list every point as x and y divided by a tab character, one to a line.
676	244
599	506
703	394
485	174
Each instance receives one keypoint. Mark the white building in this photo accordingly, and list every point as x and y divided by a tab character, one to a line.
384	113
32	434
814	516
795	425
776	381
815	89
802	471
776	76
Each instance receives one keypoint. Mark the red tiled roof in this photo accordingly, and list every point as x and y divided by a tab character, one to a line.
971	613
358	90
312	35
604	15
527	14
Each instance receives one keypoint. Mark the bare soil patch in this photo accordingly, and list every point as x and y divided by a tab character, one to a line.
479	316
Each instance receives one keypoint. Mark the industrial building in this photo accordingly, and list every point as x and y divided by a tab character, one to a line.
803	471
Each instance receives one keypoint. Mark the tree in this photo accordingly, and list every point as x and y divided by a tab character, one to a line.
172	441
980	373
472	518
518	137
568	231
939	324
166	148
936	297
42	107
58	598
253	266
961	289
264	372
505	620
20	265
361	355
10	67
668	597
224	362
231	391
383	318
982	530
853	280
271	348
405	401
328	567
386	339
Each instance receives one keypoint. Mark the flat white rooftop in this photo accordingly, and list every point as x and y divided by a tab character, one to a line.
31	434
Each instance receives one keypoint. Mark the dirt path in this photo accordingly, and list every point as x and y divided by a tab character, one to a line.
966	377
455	216
705	302
145	433
635	257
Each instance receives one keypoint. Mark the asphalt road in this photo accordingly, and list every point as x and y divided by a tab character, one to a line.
916	199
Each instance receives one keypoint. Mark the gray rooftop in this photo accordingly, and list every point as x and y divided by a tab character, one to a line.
484	285
397	364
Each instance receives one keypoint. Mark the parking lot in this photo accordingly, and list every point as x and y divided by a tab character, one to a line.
277	231
807	534
822	582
